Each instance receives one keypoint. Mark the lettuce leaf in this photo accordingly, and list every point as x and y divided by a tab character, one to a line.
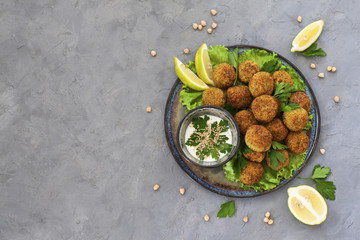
271	178
191	66
269	62
220	54
260	56
190	98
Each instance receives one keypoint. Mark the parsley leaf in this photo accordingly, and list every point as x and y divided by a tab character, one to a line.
200	123
320	172
288	107
283	91
313	51
226	209
275	158
271	66
326	188
277	145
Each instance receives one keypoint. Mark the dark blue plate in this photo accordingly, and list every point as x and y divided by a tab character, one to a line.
214	179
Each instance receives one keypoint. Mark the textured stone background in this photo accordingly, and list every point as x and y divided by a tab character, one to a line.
79	153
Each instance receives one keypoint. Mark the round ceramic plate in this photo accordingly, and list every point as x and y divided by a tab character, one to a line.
214	178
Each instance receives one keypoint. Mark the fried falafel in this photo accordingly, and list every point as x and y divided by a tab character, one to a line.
258	138
282	76
301	99
245	119
252	173
224	75
247	69
296	119
298	142
278	129
213	96
255	156
281	165
261	83
239	96
265	108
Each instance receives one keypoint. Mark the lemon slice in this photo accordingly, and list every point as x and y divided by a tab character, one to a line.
203	65
307	205
307	36
188	77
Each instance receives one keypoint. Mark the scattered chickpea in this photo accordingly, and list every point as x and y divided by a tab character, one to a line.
213	12
182	191
266	220
203	23
200	27
153	53
321	75
206	218
156	187
186	51
313	66
336	99
299	19
148	109
214	25
209	30
333	69
322	151
267	214
270	221
245	219
195	26
328	68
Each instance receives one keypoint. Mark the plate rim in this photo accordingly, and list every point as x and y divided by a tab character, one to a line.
298	170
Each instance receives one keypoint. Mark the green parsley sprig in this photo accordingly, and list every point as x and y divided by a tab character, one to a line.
276	156
227	209
312	51
326	188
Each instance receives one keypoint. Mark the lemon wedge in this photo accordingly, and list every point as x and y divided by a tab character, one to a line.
307	205
307	36
188	77
203	65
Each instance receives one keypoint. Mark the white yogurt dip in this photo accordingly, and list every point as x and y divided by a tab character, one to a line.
192	149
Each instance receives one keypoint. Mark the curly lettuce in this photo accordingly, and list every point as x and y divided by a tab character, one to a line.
271	178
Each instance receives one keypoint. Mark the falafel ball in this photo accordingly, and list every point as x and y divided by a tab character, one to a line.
255	156
296	119
252	173
281	165
277	129
247	69
258	138
213	96
224	75
282	76
265	108
245	119
261	83
301	99
239	96
298	142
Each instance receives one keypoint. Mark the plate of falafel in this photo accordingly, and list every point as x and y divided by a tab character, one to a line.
274	107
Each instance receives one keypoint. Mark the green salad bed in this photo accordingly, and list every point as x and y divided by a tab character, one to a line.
268	62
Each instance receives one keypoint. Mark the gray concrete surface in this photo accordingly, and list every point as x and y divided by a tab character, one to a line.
79	153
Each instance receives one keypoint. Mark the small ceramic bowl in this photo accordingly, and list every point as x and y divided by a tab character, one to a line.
210	111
